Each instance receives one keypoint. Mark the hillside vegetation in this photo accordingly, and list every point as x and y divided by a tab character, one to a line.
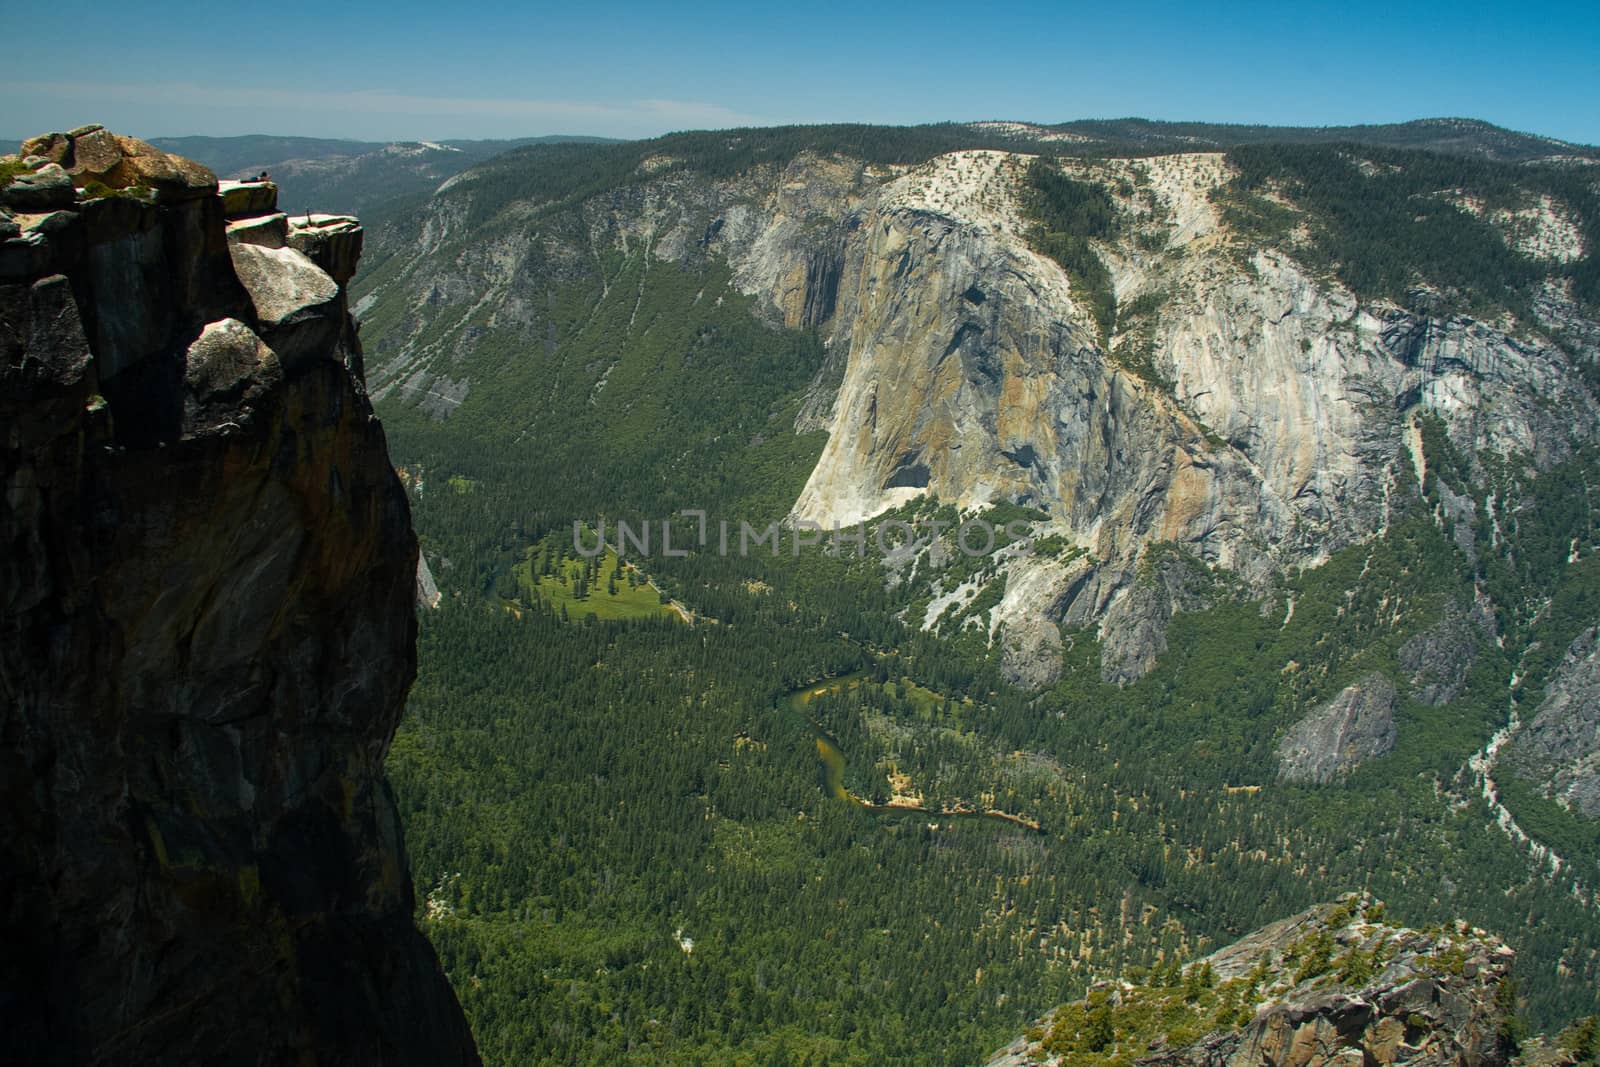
771	836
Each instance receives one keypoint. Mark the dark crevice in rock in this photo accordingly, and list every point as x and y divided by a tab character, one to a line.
909	473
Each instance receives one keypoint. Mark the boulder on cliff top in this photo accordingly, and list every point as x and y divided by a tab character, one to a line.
172	177
241	199
51	146
332	242
47	189
95	154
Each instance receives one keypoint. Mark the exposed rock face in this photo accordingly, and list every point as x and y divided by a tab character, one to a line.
1032	653
1560	747
1438	659
206	638
1259	431
332	242
95	154
1433	1003
1134	631
973	372
46	189
1355	726
428	595
1326	988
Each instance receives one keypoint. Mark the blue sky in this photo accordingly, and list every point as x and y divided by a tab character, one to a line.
399	70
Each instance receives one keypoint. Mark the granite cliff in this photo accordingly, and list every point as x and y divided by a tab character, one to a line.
206	632
1362	504
1241	404
1355	726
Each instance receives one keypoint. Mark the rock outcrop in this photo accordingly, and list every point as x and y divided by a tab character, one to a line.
428	595
1353	727
1438	660
1133	632
1332	987
1560	747
206	639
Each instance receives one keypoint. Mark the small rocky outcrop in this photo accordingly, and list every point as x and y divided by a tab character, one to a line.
1030	653
1133	634
428	595
1576	1046
1560	747
98	160
1353	727
1332	987
206	637
1438	660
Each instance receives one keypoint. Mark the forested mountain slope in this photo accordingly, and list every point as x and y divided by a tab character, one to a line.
1222	352
1296	443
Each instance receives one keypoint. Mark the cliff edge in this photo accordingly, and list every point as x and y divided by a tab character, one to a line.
206	632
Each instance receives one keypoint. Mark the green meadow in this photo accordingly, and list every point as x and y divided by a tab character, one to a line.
574	587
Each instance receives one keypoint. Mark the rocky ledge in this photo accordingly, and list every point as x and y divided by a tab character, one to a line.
1333	986
206	632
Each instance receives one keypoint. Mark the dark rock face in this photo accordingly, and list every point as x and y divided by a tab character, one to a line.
1561	746
46	189
1355	726
206	639
1134	632
1439	659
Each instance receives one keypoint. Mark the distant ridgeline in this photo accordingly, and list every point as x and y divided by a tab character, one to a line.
371	179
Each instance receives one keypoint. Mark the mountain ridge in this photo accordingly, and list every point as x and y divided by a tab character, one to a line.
365	178
1442	134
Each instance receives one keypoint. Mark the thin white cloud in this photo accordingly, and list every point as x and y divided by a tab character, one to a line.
631	116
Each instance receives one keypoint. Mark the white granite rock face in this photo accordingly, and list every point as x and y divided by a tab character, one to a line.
1245	410
1353	727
